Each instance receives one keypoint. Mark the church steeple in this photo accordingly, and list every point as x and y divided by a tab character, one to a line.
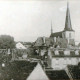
68	26
51	28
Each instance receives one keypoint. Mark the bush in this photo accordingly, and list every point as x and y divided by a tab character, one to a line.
6	42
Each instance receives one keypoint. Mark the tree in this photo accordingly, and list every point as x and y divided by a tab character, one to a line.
6	42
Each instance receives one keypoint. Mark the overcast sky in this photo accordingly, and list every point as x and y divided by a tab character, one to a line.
28	20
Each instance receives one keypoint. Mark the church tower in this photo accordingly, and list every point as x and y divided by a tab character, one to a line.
68	32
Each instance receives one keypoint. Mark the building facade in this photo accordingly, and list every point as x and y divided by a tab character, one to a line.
60	58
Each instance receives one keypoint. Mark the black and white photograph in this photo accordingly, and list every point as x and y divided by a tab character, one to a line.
39	39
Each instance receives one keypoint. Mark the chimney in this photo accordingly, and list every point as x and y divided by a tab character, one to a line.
44	40
54	39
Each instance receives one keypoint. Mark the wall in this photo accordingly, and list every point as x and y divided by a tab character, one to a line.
70	38
72	34
61	63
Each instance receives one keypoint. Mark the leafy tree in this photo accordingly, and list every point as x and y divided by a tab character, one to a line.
6	42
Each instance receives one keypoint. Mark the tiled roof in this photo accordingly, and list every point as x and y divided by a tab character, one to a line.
17	70
39	41
57	34
57	75
74	71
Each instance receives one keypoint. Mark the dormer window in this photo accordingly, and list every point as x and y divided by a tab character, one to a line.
66	52
56	52
76	52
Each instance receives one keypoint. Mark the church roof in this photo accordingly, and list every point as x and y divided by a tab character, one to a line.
57	34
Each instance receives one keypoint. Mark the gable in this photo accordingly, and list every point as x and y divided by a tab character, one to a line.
20	46
38	74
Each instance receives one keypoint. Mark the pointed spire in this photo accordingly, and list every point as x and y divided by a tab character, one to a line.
68	26
51	28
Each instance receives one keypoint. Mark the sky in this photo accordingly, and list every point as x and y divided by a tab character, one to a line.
28	20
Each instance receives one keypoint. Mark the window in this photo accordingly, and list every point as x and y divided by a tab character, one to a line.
57	59
66	52
56	52
69	35
76	52
65	61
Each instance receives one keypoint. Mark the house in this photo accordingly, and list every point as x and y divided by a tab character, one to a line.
58	59
19	45
27	44
43	41
42	44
